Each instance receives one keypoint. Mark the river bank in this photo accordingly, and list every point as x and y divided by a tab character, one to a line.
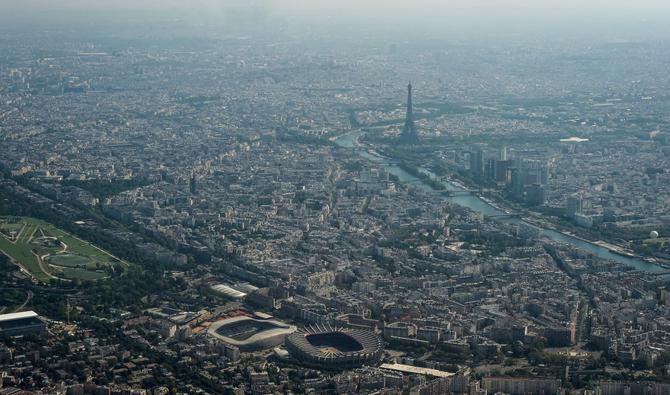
478	204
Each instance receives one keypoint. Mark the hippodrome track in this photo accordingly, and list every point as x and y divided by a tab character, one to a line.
26	234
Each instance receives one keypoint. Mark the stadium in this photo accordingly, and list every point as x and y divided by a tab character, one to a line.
325	347
250	334
21	324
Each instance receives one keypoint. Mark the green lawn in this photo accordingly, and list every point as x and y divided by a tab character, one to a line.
71	260
21	252
8	227
79	253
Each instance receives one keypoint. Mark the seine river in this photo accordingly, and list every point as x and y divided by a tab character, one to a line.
476	204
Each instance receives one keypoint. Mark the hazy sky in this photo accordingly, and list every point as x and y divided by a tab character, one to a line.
354	6
614	15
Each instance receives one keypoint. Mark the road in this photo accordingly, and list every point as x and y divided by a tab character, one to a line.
29	297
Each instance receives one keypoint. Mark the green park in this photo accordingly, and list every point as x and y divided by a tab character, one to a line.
48	253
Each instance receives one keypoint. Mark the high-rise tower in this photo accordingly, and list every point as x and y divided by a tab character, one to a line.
409	135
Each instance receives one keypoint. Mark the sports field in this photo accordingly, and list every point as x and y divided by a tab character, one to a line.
47	252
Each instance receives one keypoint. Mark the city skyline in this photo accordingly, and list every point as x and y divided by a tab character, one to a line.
228	197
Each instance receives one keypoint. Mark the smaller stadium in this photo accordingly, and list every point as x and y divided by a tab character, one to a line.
21	324
325	347
250	334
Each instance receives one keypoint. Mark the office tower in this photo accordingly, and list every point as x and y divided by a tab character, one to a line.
477	163
535	195
574	206
490	169
501	170
503	153
517	183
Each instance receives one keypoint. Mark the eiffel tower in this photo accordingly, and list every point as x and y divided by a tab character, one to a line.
409	135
